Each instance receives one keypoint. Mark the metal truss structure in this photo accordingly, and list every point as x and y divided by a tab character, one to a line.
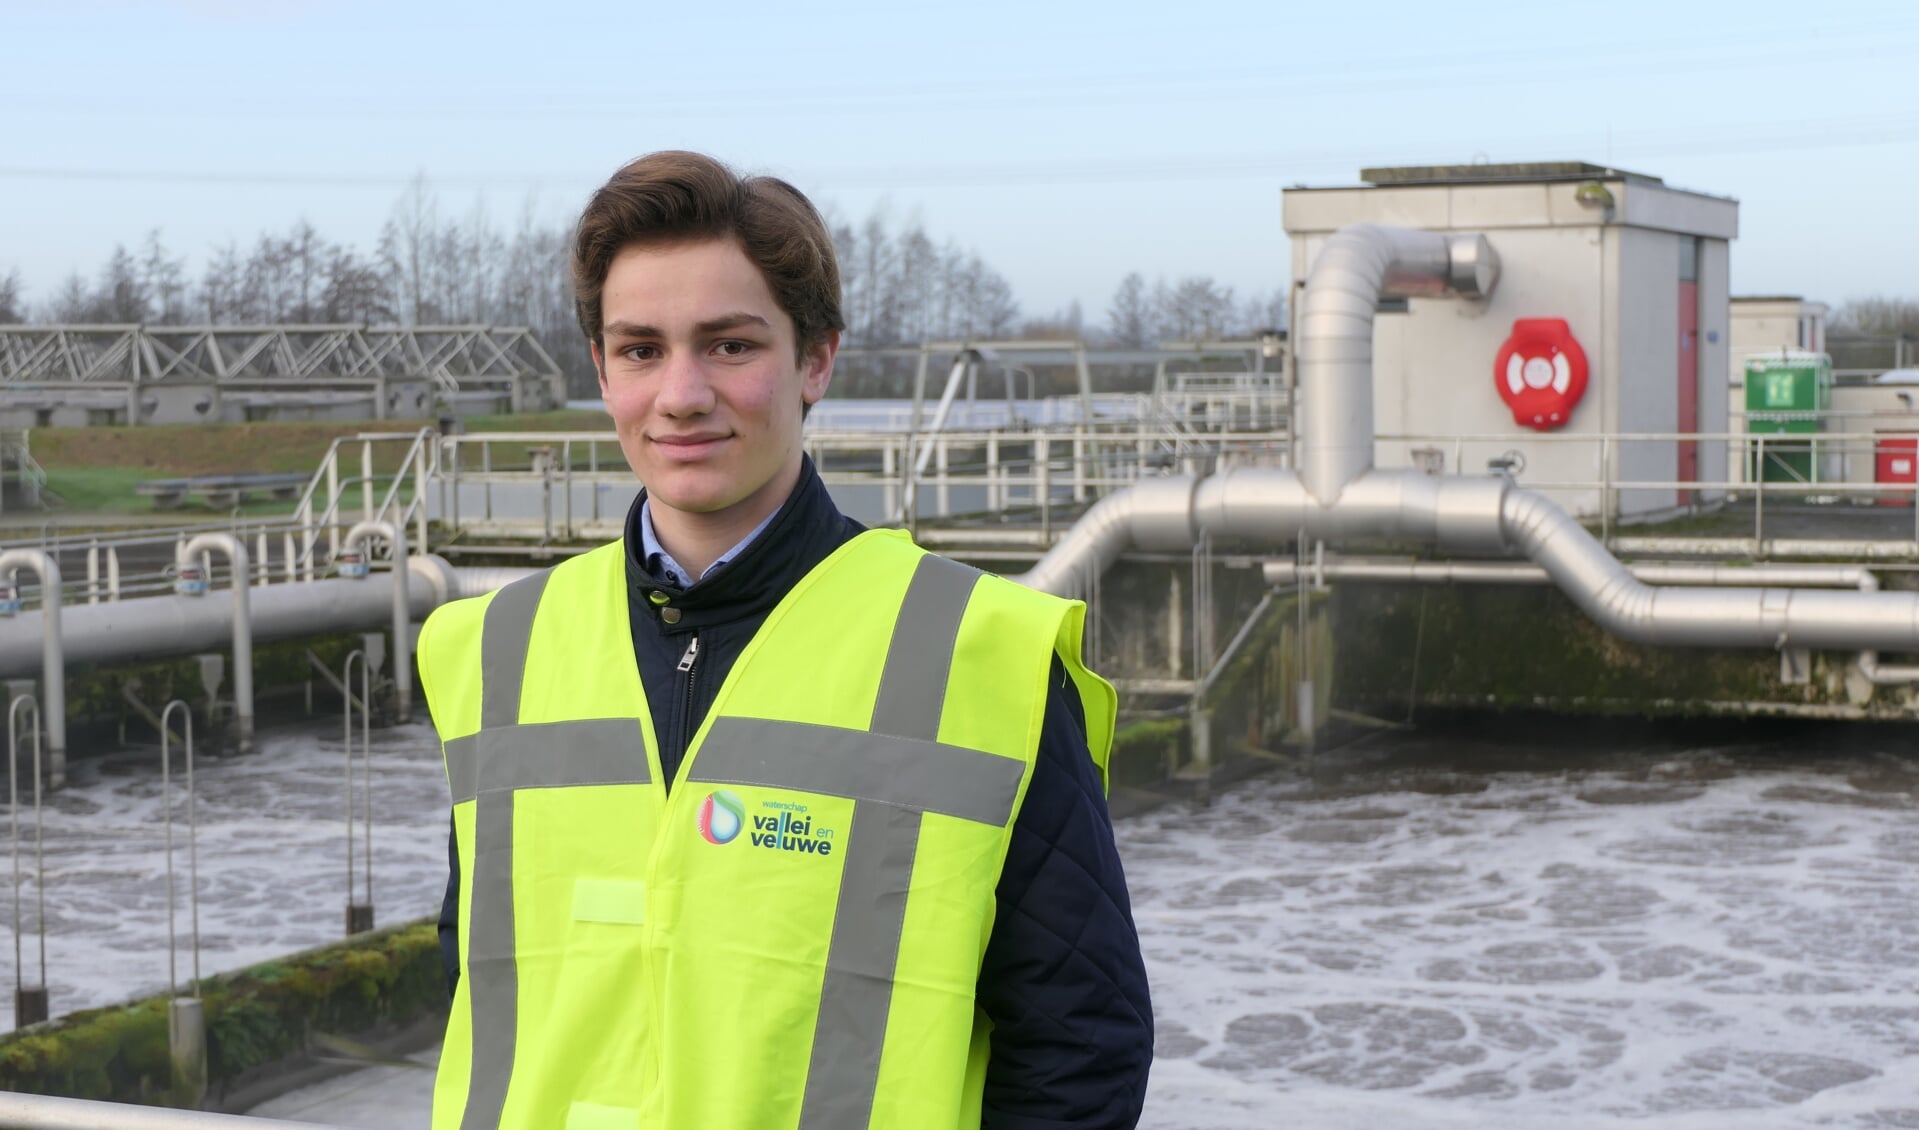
453	358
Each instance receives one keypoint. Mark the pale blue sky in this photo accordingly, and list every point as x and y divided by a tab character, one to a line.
1067	142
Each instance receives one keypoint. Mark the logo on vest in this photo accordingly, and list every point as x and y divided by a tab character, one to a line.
789	827
722	815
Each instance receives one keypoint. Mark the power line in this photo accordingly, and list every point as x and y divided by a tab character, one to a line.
1203	81
1698	139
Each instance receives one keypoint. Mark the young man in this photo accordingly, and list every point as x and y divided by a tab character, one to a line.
762	819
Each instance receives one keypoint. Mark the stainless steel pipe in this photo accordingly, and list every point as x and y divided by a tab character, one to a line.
53	666
395	534
236	552
164	626
1339	498
1359	265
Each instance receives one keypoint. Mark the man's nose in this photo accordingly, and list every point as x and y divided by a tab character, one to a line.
685	387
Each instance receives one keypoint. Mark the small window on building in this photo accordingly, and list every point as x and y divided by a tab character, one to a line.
1688	259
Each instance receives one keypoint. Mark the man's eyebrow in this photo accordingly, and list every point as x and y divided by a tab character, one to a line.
732	322
711	326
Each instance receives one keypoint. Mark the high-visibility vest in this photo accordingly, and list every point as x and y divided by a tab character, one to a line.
790	937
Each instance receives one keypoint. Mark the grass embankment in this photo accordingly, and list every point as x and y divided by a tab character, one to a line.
96	469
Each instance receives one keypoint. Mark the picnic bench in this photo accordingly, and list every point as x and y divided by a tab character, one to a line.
221	491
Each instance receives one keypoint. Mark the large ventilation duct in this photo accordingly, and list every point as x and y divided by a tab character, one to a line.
1358	266
1338	497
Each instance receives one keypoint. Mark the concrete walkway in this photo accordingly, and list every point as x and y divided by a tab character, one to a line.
373	1098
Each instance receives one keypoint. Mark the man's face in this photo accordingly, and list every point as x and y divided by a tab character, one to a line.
698	371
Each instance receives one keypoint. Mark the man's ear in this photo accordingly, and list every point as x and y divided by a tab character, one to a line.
599	364
816	369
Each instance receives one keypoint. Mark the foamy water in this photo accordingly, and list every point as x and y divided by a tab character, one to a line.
1668	947
1702	939
272	860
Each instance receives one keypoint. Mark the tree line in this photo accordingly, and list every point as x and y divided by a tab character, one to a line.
900	286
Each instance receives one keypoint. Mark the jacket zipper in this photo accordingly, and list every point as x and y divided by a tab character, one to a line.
687	665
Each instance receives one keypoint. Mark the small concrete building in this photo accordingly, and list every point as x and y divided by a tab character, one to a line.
1633	271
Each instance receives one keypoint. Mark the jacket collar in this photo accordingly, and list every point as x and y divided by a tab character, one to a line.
806	529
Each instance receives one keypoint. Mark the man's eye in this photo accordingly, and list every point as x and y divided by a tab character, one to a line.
734	348
641	353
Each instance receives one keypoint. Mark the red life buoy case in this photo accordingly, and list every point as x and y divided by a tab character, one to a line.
1541	373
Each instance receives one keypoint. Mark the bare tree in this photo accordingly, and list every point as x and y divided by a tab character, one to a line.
1198	309
1262	313
122	297
352	290
304	256
13	307
1879	316
1130	317
220	284
164	278
406	250
75	303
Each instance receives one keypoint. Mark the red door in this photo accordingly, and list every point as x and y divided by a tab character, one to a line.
1688	382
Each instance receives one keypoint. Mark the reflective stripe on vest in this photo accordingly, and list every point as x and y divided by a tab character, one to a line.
488	767
894	773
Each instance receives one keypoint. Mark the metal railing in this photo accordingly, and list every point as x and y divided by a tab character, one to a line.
326	504
1615	479
553	486
46	1112
348	487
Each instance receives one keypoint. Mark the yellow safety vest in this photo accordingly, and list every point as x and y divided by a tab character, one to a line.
792	936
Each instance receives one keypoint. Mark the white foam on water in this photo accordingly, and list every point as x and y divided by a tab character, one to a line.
1555	949
1591	951
272	861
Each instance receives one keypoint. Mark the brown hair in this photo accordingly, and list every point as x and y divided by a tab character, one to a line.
674	196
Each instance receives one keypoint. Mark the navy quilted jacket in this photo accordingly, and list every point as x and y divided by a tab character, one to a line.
1062	981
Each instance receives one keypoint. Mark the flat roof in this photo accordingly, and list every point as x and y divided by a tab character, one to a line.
1768	298
1531	172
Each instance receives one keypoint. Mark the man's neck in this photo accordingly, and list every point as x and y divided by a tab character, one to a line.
696	540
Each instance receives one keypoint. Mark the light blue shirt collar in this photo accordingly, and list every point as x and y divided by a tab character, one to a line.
661	564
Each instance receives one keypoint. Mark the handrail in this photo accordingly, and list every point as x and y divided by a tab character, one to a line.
47	1112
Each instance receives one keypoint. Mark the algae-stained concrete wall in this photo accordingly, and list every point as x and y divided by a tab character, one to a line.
259	1022
1512	647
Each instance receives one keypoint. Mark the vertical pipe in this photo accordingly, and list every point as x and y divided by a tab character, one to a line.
889	467
346	745
944	494
919	394
29	1007
366	781
236	552
566	472
93	572
1042	465
52	654
993	501
166	820
366	480
402	614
